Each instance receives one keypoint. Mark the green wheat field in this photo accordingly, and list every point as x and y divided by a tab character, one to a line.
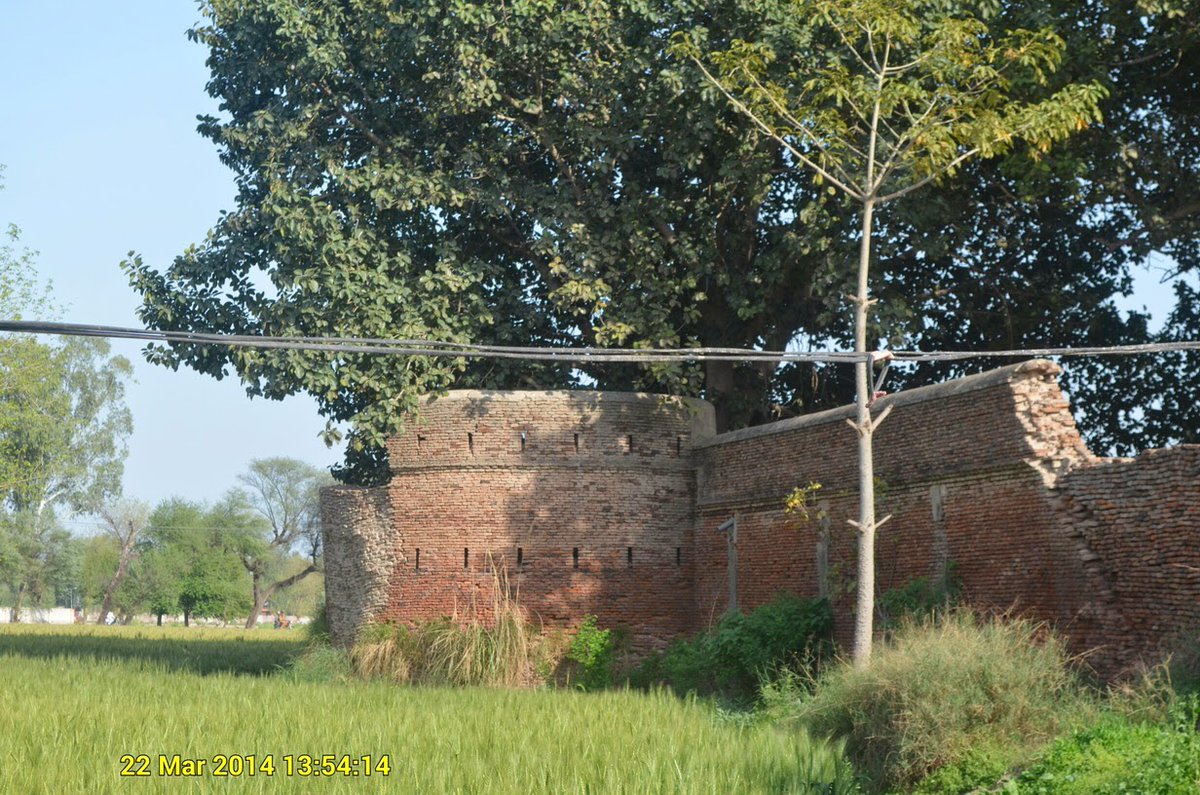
85	709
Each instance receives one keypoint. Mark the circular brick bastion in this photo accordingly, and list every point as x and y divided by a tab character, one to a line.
576	503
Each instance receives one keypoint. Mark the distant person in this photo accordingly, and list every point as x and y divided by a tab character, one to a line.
110	618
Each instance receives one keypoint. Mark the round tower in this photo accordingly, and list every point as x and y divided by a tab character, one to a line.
575	503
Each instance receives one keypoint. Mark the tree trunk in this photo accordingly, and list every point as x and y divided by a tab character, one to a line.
261	597
110	591
718	388
260	600
14	615
160	615
186	617
864	616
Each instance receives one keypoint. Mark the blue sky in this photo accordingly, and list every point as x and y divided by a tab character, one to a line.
98	133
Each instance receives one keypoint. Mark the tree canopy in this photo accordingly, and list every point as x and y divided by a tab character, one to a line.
537	173
189	561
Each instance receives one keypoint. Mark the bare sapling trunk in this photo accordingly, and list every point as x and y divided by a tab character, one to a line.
865	608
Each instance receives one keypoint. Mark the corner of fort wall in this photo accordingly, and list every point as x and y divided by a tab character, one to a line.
577	502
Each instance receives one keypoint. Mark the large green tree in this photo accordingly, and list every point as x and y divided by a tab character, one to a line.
63	431
189	561
63	425
538	173
1018	254
532	173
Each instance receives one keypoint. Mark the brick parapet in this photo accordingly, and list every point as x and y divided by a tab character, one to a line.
521	429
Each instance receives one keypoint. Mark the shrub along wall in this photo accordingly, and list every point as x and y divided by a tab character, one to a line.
609	504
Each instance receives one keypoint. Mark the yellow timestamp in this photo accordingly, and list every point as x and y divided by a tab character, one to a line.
251	765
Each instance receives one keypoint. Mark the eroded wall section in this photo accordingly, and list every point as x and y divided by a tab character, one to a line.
359	549
1140	519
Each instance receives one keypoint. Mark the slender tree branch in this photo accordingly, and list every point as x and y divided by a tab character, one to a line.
764	127
925	181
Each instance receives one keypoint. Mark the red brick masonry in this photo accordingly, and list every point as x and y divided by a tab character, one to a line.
608	503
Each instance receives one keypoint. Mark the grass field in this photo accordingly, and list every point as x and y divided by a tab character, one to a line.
74	701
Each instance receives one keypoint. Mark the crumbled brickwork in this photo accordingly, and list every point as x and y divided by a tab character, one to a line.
360	555
1139	521
609	504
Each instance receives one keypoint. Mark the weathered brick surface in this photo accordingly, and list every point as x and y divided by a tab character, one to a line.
583	502
609	503
975	441
358	539
1139	522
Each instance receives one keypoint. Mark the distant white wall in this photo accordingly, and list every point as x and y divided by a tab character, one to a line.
53	615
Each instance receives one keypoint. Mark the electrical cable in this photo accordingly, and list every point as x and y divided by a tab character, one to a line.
437	348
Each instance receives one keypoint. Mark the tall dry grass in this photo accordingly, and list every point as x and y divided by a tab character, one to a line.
496	648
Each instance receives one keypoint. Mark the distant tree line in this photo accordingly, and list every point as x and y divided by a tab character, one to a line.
63	431
63	426
254	548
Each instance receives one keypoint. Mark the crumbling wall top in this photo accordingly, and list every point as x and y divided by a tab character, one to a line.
527	428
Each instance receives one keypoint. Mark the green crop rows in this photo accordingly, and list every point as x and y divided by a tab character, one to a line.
74	701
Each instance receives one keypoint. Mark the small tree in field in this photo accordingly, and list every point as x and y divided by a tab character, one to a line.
286	493
124	521
890	96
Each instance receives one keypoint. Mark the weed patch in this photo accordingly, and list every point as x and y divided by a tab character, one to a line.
955	690
1122	756
735	656
593	651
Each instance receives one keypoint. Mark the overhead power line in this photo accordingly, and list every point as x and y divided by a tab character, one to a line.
436	348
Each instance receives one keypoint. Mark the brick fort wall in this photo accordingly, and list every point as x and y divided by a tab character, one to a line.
578	502
609	504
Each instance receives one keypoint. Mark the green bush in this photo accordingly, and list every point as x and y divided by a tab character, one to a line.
919	598
954	690
1122	756
593	650
736	655
1184	664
